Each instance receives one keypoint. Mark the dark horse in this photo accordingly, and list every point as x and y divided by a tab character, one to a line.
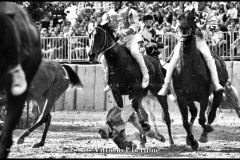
50	82
125	75
19	45
192	80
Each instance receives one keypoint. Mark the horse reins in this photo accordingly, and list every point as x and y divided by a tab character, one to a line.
105	42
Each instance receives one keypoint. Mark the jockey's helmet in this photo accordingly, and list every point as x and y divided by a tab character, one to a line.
111	15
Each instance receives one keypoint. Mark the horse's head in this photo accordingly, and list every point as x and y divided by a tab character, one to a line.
9	46
100	40
187	24
115	129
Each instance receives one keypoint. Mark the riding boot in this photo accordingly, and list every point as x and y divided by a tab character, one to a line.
170	69
19	83
144	70
214	75
203	47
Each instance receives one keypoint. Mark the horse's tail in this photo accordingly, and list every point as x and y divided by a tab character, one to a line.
74	79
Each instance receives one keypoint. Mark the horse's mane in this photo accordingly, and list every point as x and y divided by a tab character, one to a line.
109	29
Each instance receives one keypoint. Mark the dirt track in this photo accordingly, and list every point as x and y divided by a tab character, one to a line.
75	135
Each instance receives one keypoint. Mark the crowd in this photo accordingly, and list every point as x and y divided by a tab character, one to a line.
78	18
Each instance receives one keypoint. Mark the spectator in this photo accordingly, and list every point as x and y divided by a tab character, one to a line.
57	13
174	23
158	15
232	12
61	34
82	30
66	31
188	6
221	17
71	12
58	28
44	32
91	24
175	6
149	10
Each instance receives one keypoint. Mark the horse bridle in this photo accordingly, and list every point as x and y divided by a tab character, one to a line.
105	41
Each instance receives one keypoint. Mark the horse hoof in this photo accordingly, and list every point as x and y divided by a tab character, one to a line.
20	141
195	145
171	143
145	126
203	139
160	137
37	145
208	128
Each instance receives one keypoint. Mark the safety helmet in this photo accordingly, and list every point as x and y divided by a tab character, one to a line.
110	15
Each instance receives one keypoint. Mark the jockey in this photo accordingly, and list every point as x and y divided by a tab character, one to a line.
126	23
149	35
203	47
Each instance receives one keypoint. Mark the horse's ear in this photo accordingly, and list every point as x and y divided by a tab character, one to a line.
193	10
11	15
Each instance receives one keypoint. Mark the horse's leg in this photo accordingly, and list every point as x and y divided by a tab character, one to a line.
163	101
153	133
15	105
133	119
40	121
143	140
135	104
193	110
118	98
220	112
217	98
184	112
202	119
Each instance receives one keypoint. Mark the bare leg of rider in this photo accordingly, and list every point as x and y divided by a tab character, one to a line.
134	49
170	69
106	70
203	47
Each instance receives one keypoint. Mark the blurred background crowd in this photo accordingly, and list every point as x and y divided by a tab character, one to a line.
78	18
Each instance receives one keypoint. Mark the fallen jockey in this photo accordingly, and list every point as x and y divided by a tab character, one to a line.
116	124
230	99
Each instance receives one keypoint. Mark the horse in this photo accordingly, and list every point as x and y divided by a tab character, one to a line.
192	81
20	45
125	75
50	82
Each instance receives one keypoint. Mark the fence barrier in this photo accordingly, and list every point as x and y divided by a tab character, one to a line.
73	49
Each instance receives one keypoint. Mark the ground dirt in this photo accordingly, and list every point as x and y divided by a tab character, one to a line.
74	134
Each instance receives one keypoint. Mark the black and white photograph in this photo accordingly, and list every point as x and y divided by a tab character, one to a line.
119	79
